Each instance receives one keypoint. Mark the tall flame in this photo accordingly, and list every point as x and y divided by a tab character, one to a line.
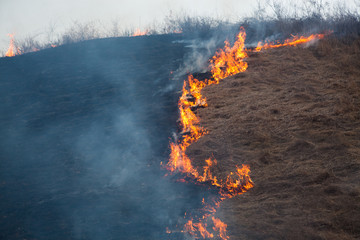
11	51
229	61
226	62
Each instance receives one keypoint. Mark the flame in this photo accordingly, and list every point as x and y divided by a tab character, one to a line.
226	62
221	227
229	61
189	227
11	51
295	40
138	32
201	227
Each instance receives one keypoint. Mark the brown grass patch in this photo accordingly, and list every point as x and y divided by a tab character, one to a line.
294	116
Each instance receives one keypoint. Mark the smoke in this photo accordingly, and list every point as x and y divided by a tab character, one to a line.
202	48
198	58
84	128
26	18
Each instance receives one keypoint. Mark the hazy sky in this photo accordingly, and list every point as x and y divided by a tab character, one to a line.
30	17
24	17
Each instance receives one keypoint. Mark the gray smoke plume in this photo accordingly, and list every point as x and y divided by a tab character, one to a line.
84	128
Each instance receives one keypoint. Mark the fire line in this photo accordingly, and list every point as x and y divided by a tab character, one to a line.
226	62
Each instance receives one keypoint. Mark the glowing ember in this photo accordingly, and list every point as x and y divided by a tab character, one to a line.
138	32
11	51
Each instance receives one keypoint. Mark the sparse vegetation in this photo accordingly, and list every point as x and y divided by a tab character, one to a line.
270	19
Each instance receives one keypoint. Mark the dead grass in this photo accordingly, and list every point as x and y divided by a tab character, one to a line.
294	116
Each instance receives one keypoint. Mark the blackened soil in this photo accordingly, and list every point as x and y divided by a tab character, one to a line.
83	129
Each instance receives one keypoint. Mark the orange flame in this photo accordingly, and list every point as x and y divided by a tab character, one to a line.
295	40
11	51
226	62
229	61
221	227
202	230
189	227
138	32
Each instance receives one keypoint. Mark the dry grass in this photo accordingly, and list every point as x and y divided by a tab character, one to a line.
294	116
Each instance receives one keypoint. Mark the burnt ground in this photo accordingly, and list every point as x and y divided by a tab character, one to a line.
83	128
294	117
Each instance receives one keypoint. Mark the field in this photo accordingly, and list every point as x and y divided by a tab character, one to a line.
89	122
293	116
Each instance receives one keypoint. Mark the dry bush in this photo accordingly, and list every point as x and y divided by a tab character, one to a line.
275	19
81	32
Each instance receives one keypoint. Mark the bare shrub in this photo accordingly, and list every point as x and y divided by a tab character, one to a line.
81	32
29	44
270	20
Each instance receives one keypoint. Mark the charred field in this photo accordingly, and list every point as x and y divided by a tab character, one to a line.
83	131
94	143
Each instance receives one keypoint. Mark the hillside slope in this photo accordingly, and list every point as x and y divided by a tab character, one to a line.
294	117
83	128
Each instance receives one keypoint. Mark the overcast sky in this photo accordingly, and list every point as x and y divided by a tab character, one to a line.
30	17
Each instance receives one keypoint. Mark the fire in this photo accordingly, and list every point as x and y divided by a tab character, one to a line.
11	51
221	227
202	230
189	227
138	32
229	61
295	40
226	62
